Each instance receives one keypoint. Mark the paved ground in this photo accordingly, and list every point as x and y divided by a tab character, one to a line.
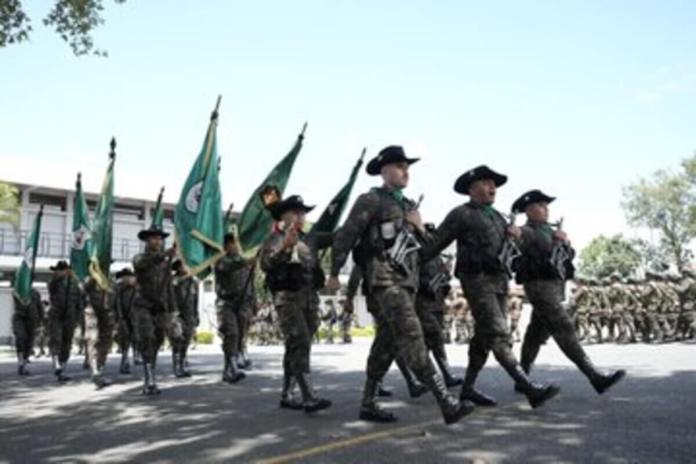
649	418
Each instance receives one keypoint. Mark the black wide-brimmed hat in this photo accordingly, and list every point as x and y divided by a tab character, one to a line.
533	196
153	231
125	272
388	155
293	202
481	172
60	266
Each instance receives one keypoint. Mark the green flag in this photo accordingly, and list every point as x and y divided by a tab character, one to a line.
198	216
229	220
81	245
102	233
24	277
331	216
255	221
158	214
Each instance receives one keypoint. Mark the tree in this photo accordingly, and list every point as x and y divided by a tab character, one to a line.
72	20
665	203
606	255
9	204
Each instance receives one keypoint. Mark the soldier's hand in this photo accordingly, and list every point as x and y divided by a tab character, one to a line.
514	231
333	283
291	238
561	236
348	306
414	217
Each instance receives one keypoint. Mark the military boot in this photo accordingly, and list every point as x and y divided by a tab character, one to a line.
450	380
287	396
452	410
369	409
125	365
310	402
232	374
415	388
150	383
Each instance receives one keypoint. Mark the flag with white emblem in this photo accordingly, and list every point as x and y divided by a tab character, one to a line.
81	242
24	277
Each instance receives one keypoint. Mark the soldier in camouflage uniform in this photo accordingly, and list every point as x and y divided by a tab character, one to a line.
515	313
651	298
617	303
631	308
386	226
383	343
330	318
42	329
580	302
434	285
123	304
153	305
544	283
66	305
346	320
671	305
234	291
25	322
99	328
293	273
481	233
186	296
596	310
686	289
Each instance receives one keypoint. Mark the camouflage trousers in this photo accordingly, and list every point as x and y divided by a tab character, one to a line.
298	314
246	314
125	333
431	315
185	322
549	319
61	328
150	325
398	333
229	325
99	330
24	328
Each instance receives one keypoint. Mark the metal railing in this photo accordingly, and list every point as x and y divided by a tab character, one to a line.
57	245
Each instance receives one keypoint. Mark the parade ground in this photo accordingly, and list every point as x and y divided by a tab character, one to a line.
648	418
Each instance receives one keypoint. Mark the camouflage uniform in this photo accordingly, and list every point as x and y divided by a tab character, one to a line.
686	323
546	292
186	296
153	307
375	221
294	277
480	232
25	322
99	328
123	308
66	305
618	303
580	302
330	317
234	292
430	307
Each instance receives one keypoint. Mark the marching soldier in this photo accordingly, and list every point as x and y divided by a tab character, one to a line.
66	306
154	301
25	322
482	234
293	273
544	277
99	329
330	317
686	289
430	307
385	222
234	291
123	309
186	296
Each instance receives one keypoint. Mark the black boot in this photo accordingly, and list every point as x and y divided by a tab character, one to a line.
601	382
469	393
369	409
177	365
246	362
100	381
150	384
452	410
415	388
137	358
183	364
536	394
384	392
310	402
22	366
58	370
232	374
287	396
450	380
125	365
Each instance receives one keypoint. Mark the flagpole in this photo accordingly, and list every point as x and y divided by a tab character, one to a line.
33	258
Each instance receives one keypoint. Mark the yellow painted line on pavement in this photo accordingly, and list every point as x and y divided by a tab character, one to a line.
348	442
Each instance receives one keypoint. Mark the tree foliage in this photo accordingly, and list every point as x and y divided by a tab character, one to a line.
9	204
605	255
73	20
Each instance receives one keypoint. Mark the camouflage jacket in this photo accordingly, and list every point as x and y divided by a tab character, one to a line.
123	300
154	277
687	294
234	280
32	311
369	231
480	232
65	295
99	299
537	244
186	295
